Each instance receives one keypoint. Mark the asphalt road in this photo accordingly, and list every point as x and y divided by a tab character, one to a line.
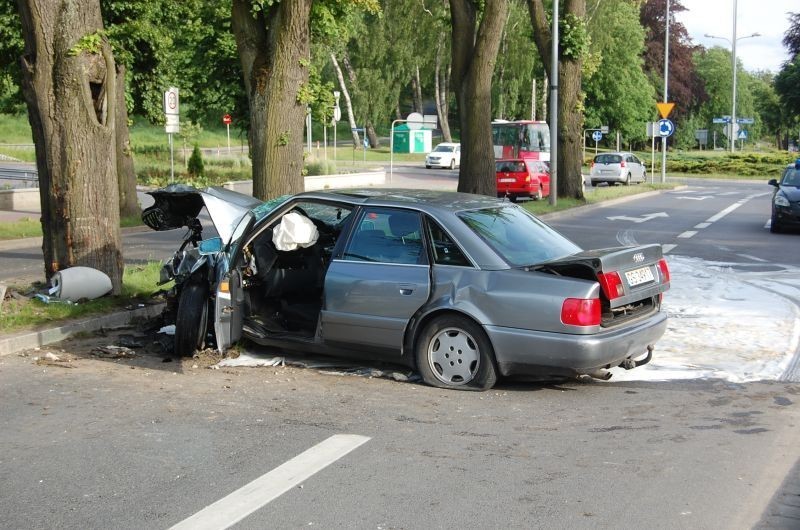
99	443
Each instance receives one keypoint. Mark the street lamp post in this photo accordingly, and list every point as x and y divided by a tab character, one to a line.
732	42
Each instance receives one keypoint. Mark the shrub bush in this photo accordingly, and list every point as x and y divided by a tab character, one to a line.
195	165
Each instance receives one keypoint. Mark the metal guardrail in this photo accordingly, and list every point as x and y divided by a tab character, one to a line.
27	175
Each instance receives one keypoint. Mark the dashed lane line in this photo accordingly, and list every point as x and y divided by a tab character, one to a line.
231	509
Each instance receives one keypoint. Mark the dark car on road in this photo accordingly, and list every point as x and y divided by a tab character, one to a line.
464	288
786	199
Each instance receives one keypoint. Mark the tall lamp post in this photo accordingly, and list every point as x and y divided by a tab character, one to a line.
732	41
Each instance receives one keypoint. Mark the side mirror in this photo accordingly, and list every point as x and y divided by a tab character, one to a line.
773	182
210	246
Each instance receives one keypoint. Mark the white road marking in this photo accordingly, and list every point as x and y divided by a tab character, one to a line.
723	213
642	219
700	198
702	225
667	248
768	224
231	509
687	234
748	256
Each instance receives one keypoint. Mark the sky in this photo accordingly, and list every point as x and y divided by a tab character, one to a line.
767	17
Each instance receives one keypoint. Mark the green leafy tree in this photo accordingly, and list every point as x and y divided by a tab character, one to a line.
195	167
618	93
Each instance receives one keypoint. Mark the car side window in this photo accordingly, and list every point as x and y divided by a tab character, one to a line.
445	250
387	235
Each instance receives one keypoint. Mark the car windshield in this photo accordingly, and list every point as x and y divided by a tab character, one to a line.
444	149
517	236
608	159
791	178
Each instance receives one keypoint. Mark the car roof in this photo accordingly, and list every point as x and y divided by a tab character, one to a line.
615	153
447	144
424	200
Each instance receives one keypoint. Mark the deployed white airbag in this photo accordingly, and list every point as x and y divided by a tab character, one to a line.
295	230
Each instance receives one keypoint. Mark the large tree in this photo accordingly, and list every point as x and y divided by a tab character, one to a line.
273	39
69	82
474	49
574	43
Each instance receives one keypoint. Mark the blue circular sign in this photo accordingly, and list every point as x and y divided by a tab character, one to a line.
665	128
597	136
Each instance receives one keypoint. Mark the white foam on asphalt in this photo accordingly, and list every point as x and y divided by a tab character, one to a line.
724	323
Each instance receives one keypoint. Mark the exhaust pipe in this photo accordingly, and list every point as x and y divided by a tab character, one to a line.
600	373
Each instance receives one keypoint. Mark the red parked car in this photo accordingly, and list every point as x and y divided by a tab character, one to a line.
522	178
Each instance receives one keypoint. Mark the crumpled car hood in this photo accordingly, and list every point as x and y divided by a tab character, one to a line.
176	205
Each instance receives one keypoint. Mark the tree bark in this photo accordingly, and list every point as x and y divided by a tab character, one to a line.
347	101
274	49
440	96
474	50
126	174
416	86
70	88
570	98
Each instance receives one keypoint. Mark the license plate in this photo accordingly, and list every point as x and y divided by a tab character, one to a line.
508	180
639	276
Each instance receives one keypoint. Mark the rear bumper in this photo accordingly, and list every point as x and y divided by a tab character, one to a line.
607	178
526	352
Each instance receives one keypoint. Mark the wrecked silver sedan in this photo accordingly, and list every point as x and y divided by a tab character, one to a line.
463	288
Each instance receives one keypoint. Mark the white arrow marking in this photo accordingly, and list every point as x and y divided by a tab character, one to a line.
642	219
700	198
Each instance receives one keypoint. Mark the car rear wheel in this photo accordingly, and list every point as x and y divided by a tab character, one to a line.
539	194
454	352
644	176
191	322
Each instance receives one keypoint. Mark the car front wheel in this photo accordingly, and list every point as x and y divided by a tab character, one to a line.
453	164
628	180
774	227
191	322
454	352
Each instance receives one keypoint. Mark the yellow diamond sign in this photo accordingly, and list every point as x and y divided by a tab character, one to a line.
664	109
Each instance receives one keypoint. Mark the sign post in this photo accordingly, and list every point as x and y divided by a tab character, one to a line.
173	125
664	109
227	120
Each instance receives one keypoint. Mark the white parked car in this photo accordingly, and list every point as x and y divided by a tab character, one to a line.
612	168
445	155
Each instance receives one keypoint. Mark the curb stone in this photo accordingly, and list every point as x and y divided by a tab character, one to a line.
25	340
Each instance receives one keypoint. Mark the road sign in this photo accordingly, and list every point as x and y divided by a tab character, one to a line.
664	109
604	129
226	119
743	135
746	121
171	101
415	120
665	128
597	136
337	113
173	119
726	119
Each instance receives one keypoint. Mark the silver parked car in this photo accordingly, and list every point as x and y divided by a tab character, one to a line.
464	288
617	167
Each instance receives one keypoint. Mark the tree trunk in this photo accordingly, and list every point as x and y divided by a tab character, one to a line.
440	96
570	98
372	136
274	49
348	103
474	50
126	174
69	87
416	86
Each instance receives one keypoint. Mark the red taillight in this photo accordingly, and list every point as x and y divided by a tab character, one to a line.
611	284
622	164
662	265
581	312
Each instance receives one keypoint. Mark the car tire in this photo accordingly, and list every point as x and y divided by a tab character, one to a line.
191	322
539	194
453	164
427	166
774	227
644	176
452	351
628	180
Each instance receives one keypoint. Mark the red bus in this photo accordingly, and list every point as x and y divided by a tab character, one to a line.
523	139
